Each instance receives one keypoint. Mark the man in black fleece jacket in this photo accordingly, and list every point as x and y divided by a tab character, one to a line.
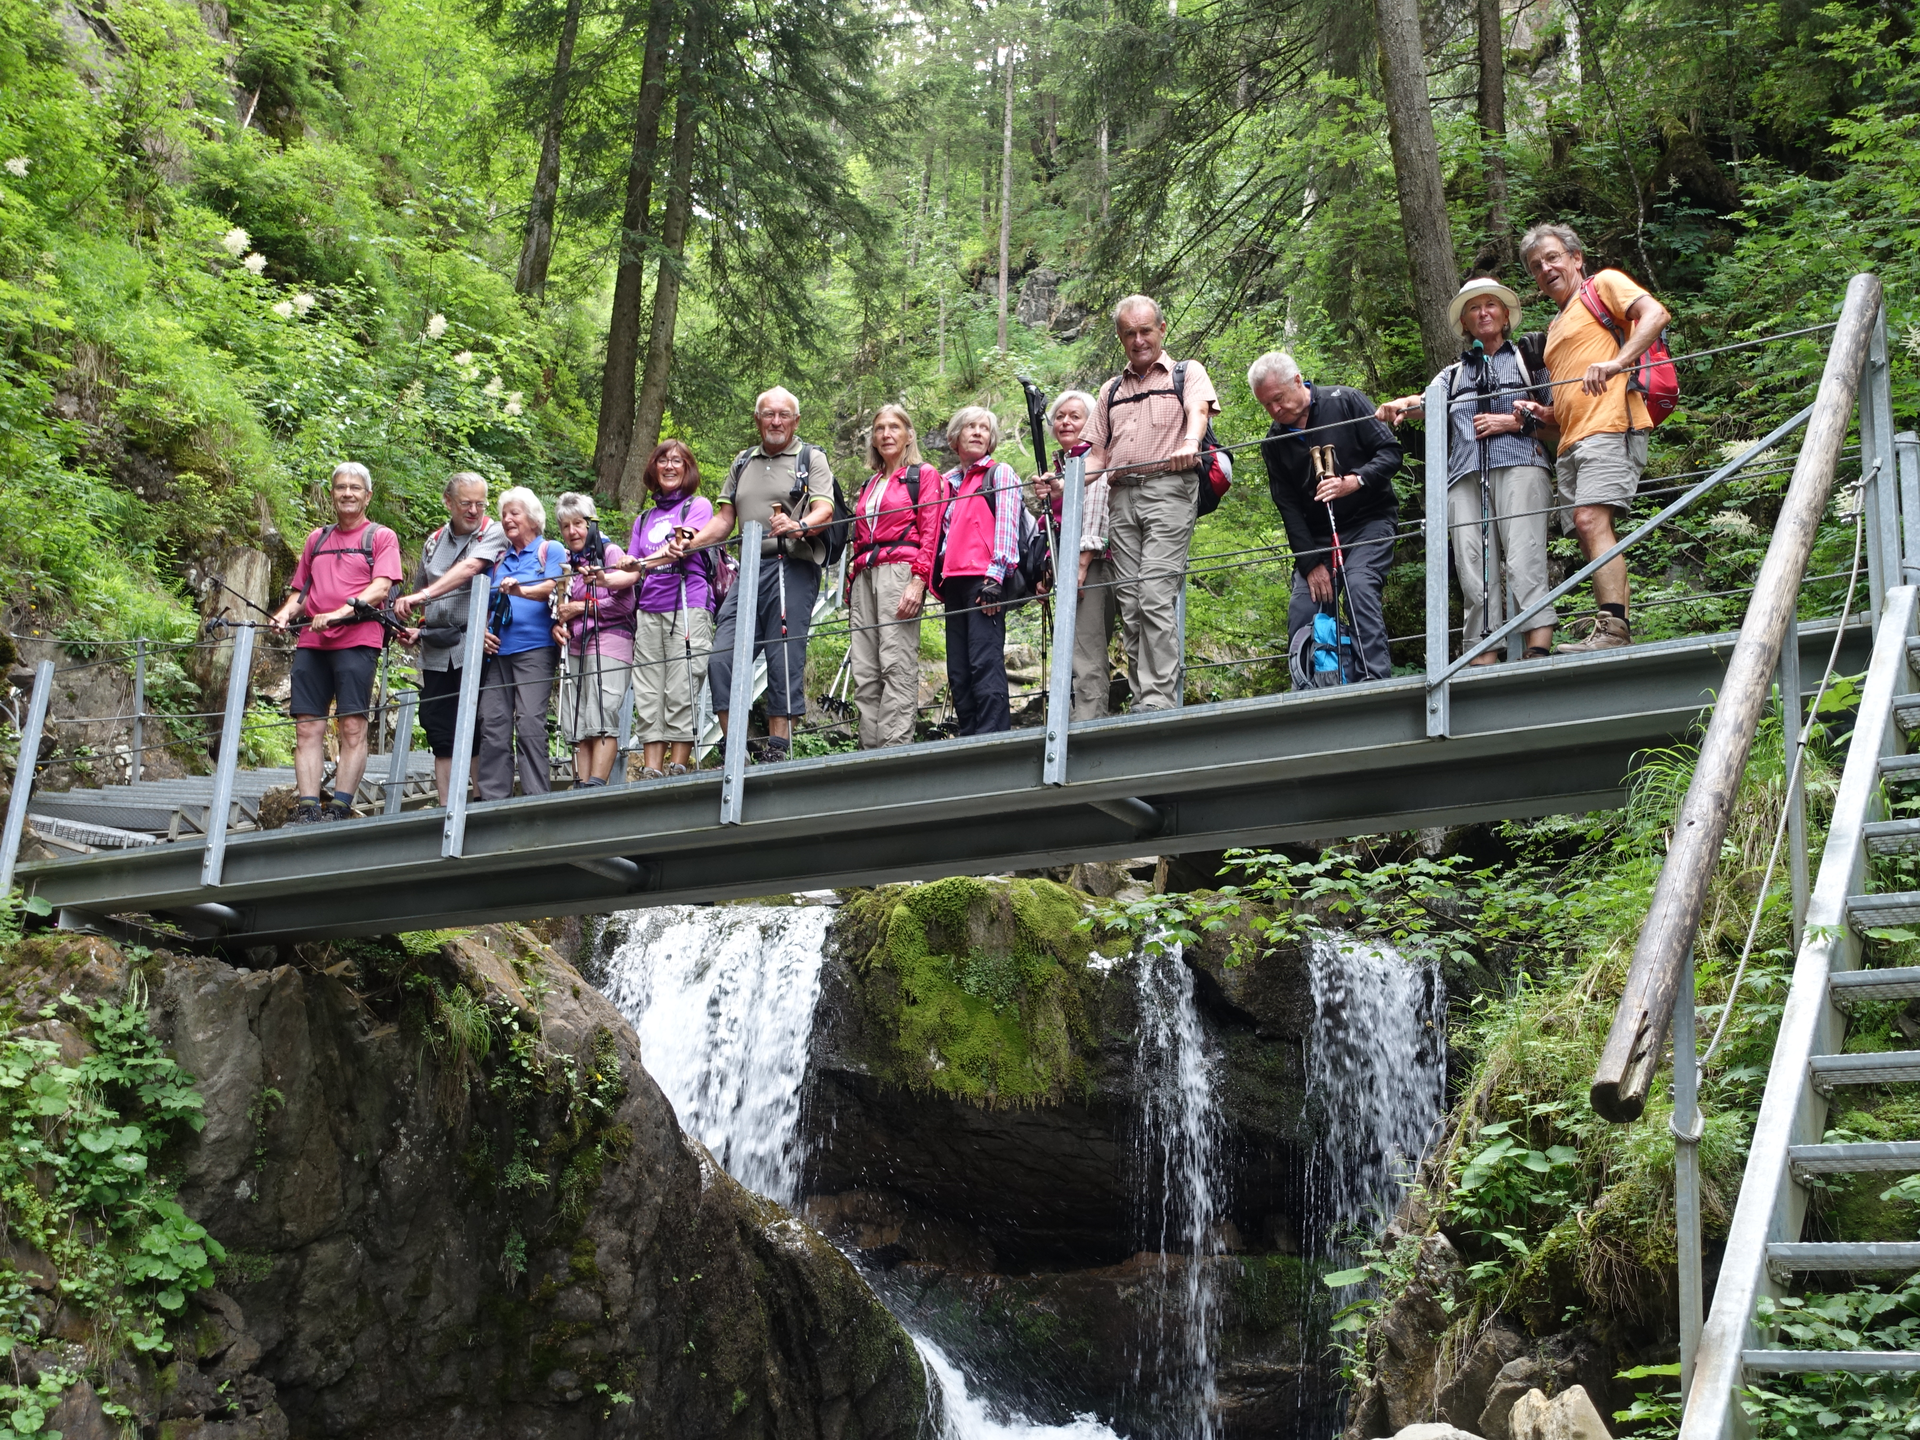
1364	507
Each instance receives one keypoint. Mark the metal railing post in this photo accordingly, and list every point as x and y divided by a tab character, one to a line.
473	658
213	858
1066	611
409	701
23	769
1439	709
1796	797
1686	1127
139	707
733	777
1180	640
1876	398
1907	448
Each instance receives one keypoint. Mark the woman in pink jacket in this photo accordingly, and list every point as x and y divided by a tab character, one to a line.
889	567
975	547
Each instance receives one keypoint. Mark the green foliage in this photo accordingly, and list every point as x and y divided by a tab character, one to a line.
985	985
1854	1407
1653	1413
81	1186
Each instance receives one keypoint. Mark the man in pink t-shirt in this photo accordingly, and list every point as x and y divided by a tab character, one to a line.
352	560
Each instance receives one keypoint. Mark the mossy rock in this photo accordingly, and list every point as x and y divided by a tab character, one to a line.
982	986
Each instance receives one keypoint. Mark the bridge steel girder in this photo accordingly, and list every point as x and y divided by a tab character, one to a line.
1550	736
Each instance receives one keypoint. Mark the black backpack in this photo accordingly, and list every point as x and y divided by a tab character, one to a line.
838	529
1215	464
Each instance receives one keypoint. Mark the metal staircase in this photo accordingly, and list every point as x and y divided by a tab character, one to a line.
1764	1250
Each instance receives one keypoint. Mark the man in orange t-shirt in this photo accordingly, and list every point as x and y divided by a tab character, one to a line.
1602	423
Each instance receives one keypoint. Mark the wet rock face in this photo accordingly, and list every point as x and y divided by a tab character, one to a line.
391	1274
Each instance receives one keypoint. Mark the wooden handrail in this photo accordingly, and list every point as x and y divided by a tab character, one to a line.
1638	1038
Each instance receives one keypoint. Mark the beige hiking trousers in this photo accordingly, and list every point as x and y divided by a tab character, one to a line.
886	657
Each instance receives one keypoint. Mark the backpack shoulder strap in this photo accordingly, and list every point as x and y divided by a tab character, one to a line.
1180	382
1590	296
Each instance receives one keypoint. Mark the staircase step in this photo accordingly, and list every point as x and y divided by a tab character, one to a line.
1892	837
1886	1068
1906	708
1872	1255
1900	769
1857	1159
1830	1362
1873	912
1850	987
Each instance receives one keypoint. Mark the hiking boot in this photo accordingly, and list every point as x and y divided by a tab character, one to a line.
769	751
306	814
334	810
1607	632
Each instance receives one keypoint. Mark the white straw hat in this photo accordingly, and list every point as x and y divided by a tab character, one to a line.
1474	289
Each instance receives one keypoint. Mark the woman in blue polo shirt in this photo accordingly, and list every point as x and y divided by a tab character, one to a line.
521	654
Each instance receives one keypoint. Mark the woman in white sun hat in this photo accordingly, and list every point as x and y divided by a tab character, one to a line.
1499	491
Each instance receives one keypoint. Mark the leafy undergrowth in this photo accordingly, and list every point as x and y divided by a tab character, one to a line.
85	1195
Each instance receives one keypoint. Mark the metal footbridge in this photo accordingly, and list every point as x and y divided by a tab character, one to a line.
1442	746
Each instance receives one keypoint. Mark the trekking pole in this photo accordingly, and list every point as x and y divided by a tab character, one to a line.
1486	499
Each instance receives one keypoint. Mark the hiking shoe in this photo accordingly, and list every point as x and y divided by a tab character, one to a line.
334	810
676	768
1607	632
308	814
649	773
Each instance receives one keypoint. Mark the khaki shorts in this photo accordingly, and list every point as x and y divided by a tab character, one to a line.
1601	470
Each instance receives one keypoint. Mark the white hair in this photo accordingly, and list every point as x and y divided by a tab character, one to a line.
1274	365
355	469
1540	234
575	506
778	392
972	414
1086	403
1134	302
529	503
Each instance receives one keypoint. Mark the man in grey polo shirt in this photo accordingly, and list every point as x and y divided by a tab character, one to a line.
465	546
787	485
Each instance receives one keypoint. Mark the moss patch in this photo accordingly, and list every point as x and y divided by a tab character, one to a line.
982	987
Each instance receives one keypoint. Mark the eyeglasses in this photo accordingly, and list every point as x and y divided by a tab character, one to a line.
776	415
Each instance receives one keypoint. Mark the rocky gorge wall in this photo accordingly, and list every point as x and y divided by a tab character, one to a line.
452	1202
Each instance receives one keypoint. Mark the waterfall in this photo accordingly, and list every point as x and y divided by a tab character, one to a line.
722	998
1174	1160
1376	1071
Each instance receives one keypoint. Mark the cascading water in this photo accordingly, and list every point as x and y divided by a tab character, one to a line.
722	998
1174	1160
1376	1072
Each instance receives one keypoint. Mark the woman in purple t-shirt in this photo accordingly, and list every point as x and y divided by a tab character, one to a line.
674	624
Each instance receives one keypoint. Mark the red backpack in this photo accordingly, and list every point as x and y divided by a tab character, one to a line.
1653	374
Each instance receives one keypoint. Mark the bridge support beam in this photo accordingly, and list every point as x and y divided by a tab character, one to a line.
23	772
1145	819
239	674
453	832
1066	610
733	776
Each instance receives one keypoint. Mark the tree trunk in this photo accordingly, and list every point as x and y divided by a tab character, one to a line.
1493	127
1416	173
1006	198
1100	172
652	406
537	249
623	325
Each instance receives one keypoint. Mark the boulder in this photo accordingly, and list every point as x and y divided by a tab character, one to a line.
1570	1415
1434	1430
1463	1399
1513	1380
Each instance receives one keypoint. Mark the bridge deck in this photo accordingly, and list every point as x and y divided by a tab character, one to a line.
1544	737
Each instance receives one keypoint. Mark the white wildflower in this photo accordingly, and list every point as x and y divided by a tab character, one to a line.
513	406
256	263
303	302
1734	522
465	357
494	387
1912	339
284	309
436	327
235	242
17	167
413	394
1733	449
